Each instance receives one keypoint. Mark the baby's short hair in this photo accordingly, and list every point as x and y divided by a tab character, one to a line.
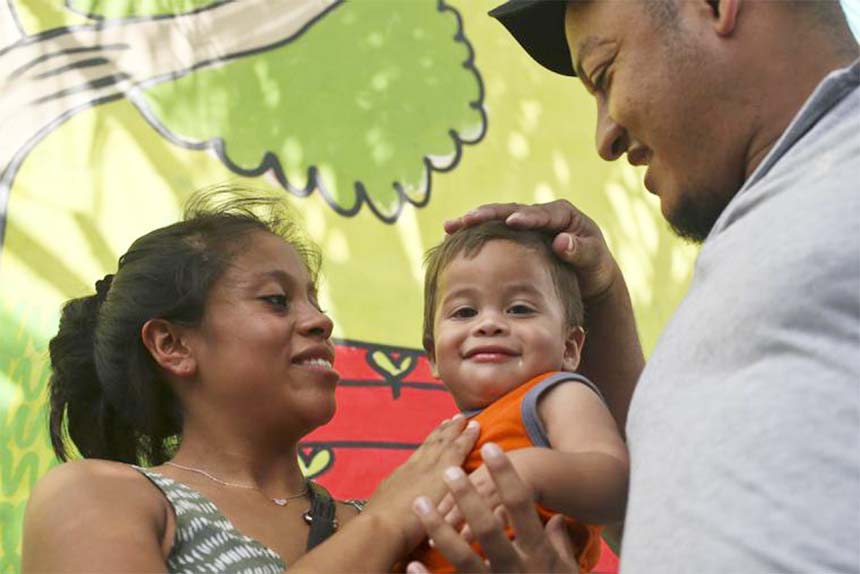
469	242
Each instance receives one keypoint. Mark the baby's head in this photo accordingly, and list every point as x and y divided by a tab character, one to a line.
499	309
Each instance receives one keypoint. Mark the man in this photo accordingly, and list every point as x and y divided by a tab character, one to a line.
744	429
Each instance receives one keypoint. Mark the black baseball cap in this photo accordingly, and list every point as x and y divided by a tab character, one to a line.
538	25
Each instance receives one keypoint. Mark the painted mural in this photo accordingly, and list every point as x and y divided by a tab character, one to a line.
375	119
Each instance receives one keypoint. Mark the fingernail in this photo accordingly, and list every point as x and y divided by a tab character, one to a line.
454	473
431	543
458	416
422	505
473	425
569	247
444	421
413	568
490	451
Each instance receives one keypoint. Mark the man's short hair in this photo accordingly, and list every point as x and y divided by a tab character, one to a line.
469	242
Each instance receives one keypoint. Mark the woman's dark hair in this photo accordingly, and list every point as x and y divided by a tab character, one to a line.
108	394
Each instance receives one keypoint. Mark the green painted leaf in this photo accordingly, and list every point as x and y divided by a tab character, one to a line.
362	107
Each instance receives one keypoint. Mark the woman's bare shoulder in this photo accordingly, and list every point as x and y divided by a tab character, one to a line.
92	481
80	511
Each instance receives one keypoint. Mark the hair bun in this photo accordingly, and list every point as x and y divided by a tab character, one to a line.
103	286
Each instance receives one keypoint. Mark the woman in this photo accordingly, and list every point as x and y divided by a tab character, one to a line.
207	358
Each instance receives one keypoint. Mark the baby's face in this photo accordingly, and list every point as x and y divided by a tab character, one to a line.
499	322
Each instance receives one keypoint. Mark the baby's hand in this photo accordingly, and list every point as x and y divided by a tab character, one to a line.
485	486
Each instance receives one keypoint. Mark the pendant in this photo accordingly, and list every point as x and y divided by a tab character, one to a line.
280	501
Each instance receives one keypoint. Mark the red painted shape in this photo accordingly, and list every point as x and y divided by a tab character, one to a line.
373	431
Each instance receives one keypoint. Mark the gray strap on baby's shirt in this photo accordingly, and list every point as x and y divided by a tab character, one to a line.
531	420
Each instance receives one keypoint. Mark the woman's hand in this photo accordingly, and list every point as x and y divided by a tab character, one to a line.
534	550
579	240
446	446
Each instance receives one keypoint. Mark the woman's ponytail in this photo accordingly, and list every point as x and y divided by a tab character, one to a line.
76	396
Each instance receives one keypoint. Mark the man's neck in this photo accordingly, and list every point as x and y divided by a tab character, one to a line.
802	76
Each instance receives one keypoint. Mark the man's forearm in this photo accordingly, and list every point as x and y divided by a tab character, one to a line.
612	356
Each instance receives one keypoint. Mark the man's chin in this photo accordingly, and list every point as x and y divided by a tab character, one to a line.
693	220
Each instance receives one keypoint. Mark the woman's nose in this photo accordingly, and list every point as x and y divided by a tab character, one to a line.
317	324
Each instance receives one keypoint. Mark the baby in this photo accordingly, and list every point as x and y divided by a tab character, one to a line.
503	330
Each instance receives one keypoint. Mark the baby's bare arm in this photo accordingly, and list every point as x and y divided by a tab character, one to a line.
585	473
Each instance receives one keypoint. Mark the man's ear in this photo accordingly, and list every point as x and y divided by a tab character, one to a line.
168	347
573	348
725	15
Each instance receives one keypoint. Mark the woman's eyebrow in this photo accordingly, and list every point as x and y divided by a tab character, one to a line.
276	275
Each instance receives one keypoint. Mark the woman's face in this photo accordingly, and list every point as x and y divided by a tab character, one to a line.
263	350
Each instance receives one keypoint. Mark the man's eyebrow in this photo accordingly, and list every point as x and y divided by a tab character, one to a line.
583	50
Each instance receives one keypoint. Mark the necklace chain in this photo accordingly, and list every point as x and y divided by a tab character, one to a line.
278	501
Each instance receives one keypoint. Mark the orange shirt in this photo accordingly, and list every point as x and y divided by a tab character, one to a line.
512	422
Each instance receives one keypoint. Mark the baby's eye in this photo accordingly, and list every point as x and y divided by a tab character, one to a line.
276	300
463	313
521	309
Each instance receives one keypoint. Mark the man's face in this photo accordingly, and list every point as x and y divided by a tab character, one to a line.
661	99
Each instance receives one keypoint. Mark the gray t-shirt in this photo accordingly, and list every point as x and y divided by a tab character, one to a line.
744	429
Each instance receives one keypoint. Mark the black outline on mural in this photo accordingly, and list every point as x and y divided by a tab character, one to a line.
389	380
45	57
270	161
7	176
315	450
385	445
14	13
418	386
317	446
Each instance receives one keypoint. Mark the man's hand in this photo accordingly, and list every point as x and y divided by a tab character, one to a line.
578	241
534	550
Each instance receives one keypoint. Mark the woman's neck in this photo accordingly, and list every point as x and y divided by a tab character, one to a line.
234	457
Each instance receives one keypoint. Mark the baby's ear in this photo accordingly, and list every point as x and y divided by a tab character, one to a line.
430	349
573	348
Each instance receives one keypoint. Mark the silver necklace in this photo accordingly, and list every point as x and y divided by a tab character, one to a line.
278	501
